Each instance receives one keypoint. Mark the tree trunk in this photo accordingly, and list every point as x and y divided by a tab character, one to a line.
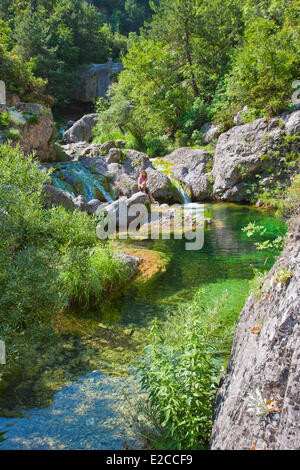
189	58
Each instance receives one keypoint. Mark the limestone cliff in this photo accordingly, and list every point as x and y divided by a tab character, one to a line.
258	404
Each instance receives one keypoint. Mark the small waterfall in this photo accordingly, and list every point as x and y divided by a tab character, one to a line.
166	168
182	191
76	179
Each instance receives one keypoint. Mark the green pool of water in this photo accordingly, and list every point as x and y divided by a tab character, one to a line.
85	413
227	254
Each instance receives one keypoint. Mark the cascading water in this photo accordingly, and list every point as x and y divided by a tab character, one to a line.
165	168
76	179
183	193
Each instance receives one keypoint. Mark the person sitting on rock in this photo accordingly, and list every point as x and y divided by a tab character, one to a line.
142	184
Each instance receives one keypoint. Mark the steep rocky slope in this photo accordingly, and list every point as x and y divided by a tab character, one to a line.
258	404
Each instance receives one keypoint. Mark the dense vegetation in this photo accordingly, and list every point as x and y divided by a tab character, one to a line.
124	16
203	60
192	61
49	259
44	43
182	366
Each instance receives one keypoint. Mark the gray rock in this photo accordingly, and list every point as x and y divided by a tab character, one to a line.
114	156
132	262
292	123
81	130
210	132
82	148
120	143
238	156
2	92
123	204
239	117
93	205
57	197
107	146
37	136
189	168
124	178
81	204
97	165
95	81
265	363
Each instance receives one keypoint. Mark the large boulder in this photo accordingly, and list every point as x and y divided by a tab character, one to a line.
57	197
82	129
248	153
36	128
210	132
123	204
292	123
257	405
124	177
190	167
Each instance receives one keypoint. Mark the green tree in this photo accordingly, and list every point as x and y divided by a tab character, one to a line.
264	67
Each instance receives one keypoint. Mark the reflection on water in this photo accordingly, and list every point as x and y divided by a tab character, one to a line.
86	413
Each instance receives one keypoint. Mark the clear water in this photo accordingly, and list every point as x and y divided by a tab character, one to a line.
87	413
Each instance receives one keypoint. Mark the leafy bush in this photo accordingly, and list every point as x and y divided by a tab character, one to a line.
264	67
5	119
12	134
182	367
49	258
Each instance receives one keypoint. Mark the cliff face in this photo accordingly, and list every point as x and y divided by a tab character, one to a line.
95	81
258	404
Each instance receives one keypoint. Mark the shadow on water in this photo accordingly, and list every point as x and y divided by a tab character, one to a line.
85	412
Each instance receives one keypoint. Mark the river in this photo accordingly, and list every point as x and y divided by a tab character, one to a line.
91	411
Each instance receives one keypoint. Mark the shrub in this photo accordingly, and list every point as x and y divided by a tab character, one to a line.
5	119
48	258
12	134
182	367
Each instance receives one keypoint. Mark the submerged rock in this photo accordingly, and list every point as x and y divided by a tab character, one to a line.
131	261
